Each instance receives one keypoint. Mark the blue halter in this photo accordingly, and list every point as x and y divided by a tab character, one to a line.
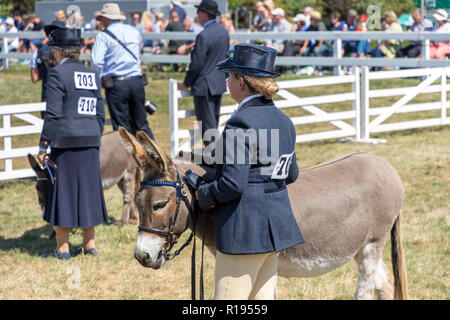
159	183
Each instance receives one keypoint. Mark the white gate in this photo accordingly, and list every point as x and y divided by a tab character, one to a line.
428	77
34	125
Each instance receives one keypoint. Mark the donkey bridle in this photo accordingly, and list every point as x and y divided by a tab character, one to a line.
171	238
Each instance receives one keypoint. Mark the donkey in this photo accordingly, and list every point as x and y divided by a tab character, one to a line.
345	209
117	167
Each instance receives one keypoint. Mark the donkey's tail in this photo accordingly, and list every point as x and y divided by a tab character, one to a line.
398	262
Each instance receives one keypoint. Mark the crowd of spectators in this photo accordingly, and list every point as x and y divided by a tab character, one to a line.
267	18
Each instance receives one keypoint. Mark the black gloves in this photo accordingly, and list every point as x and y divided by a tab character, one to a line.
193	180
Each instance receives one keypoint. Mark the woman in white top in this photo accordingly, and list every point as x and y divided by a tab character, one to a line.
439	49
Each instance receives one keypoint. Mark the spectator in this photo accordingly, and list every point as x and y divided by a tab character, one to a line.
336	23
136	22
389	47
147	23
292	47
35	24
312	46
176	6
307	12
414	48
188	26
18	21
158	27
439	49
225	20
13	43
94	21
362	47
262	20
351	22
279	24
60	16
269	5
174	25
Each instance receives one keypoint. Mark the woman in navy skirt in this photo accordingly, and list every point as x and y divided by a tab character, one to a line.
73	127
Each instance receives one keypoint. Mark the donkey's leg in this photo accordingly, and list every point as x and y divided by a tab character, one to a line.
126	205
367	259
384	282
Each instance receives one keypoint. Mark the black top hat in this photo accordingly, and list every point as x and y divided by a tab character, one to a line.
209	6
53	26
65	39
252	60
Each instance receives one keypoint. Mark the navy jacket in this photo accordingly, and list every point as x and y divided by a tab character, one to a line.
252	211
75	113
211	47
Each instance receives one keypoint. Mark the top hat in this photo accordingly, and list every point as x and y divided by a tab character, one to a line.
65	39
111	11
209	6
252	60
56	24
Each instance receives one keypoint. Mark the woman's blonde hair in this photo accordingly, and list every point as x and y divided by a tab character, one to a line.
263	85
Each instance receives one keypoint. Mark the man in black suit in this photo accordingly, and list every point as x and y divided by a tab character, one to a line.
206	82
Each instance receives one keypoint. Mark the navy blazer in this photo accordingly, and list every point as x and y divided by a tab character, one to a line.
252	211
211	47
71	120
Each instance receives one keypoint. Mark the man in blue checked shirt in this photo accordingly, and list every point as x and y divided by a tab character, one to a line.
116	54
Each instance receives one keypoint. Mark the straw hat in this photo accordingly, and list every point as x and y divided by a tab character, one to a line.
111	11
440	15
316	15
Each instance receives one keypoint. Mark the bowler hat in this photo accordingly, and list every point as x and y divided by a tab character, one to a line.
65	39
209	6
56	24
252	60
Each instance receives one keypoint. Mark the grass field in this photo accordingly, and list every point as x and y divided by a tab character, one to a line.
421	157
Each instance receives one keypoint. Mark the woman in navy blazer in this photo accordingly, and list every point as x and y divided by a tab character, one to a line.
252	213
73	127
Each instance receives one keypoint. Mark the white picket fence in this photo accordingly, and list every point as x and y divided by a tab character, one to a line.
360	128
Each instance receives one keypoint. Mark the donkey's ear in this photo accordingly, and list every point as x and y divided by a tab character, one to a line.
34	164
155	152
135	148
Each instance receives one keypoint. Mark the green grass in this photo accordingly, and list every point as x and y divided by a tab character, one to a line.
421	156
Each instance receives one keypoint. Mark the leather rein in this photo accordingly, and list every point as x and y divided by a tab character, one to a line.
170	238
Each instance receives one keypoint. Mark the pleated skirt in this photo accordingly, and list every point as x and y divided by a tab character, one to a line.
76	199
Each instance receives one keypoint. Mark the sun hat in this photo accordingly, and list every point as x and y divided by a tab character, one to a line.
209	6
278	12
299	17
251	59
316	15
440	15
65	38
9	21
111	11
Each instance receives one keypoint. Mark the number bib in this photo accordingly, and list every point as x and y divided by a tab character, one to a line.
87	105
85	80
281	170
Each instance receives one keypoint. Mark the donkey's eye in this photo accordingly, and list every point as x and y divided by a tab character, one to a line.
160	205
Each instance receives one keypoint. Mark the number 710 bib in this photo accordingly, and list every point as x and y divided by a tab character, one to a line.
281	170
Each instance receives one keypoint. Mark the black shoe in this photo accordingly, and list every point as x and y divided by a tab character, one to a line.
92	251
55	254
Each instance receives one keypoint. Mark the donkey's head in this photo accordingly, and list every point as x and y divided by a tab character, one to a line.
157	204
41	184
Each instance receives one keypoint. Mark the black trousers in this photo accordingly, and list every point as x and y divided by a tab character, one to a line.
207	110
126	102
411	51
